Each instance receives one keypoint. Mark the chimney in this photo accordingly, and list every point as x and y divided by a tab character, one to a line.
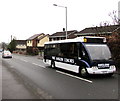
63	29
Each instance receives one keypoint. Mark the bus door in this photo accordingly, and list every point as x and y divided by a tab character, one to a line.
82	53
83	56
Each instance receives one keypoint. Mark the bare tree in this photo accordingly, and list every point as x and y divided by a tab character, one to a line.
114	17
105	23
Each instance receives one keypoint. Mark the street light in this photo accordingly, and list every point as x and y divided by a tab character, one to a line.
66	15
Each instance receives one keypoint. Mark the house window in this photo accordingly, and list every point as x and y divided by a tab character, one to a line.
53	39
50	39
57	38
38	41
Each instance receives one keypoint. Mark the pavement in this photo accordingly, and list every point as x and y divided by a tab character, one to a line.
12	87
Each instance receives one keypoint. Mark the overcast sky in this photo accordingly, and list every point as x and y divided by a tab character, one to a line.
24	18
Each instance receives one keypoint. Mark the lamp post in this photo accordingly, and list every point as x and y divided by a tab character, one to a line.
66	15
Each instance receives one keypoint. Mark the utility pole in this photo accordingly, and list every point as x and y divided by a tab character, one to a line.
65	15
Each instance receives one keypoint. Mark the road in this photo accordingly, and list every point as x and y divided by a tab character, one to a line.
59	84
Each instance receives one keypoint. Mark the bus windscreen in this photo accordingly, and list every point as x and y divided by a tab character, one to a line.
98	51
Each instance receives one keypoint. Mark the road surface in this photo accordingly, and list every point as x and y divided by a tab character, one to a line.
59	84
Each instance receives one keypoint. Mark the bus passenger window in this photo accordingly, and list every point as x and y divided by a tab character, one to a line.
63	50
72	50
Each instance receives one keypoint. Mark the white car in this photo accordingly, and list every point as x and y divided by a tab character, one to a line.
6	54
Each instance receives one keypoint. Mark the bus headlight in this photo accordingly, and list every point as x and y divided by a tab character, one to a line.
112	67
95	68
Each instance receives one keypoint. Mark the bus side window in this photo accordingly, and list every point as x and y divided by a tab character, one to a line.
80	51
72	50
68	50
59	53
63	50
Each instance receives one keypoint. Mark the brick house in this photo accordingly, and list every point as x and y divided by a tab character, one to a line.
103	31
20	45
62	35
41	40
36	42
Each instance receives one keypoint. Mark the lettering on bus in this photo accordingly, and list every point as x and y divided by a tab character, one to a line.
63	59
68	60
59	59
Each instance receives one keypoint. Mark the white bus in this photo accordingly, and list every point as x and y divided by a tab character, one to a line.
84	55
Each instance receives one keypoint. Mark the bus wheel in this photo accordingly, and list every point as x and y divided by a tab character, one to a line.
52	64
83	72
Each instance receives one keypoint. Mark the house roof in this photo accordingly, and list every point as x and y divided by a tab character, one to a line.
117	30
43	37
97	30
63	33
34	36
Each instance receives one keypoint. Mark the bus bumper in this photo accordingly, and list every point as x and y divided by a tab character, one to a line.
101	71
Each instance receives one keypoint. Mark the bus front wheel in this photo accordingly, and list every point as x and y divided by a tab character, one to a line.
83	72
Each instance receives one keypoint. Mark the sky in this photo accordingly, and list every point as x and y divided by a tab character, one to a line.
24	18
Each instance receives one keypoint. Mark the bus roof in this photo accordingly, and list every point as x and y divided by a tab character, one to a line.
78	39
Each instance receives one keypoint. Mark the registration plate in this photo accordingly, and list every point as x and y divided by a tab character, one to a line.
104	71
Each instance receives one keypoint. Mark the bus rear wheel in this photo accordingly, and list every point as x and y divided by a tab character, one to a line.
83	72
52	64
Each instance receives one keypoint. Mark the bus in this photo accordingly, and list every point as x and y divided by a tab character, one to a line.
83	55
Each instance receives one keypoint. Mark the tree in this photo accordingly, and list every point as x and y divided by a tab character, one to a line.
114	44
115	20
114	38
114	41
12	45
3	45
114	17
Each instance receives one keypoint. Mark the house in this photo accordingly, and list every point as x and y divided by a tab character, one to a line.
104	31
41	40
20	45
32	41
62	35
37	41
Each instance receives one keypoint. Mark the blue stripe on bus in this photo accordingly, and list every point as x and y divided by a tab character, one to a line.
85	63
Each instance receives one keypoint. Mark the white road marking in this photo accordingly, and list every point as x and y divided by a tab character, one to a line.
38	65
74	76
15	58
32	63
24	60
